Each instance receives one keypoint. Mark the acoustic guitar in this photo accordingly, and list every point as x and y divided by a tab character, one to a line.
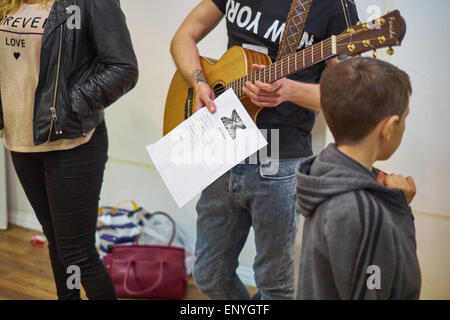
235	67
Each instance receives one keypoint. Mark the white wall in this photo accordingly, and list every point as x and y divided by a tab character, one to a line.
136	120
424	152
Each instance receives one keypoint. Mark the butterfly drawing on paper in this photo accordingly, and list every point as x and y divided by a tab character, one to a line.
233	123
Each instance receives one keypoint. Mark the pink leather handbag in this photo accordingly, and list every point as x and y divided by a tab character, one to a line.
144	271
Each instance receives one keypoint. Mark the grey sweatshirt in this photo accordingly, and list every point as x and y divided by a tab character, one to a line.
359	236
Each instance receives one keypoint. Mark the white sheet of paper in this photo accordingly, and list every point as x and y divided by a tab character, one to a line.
205	146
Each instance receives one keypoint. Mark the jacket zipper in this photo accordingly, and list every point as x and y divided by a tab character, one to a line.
53	108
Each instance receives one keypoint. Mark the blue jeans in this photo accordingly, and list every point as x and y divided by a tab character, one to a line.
248	195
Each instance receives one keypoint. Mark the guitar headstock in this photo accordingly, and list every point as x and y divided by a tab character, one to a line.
387	31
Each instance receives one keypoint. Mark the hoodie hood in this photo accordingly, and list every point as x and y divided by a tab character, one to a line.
332	173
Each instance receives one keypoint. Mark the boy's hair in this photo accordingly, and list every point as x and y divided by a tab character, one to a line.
358	93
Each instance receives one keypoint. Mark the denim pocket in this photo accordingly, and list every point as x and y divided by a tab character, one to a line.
278	170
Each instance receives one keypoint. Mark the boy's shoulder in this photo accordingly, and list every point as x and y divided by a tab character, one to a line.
351	208
339	206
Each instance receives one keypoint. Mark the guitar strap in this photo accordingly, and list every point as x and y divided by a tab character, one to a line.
294	26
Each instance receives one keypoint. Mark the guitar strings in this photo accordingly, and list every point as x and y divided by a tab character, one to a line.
327	46
290	62
279	65
324	45
345	14
282	63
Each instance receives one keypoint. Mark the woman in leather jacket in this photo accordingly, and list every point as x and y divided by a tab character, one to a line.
62	62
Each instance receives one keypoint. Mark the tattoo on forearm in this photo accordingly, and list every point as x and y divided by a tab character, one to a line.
198	76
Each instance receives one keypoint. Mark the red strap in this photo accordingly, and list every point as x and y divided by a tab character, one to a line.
294	26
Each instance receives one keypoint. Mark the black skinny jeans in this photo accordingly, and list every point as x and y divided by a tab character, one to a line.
63	188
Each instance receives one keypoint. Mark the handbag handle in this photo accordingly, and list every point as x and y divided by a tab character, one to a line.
135	206
174	229
145	291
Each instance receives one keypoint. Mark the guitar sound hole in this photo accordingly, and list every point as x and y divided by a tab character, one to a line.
188	105
219	89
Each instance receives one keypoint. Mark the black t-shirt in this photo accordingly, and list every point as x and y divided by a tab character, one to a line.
260	23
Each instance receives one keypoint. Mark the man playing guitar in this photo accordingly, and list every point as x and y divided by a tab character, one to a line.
249	195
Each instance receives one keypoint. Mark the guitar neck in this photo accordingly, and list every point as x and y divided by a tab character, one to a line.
288	65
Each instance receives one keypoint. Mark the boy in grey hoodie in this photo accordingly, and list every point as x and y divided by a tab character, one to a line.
359	236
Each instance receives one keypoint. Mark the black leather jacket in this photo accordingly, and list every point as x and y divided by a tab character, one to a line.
83	70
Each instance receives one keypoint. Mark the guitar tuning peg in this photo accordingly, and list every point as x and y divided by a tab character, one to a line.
390	51
375	54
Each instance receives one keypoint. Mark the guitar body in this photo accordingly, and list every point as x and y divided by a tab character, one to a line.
234	64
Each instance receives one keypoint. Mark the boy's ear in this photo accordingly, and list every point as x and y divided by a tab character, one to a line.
388	126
